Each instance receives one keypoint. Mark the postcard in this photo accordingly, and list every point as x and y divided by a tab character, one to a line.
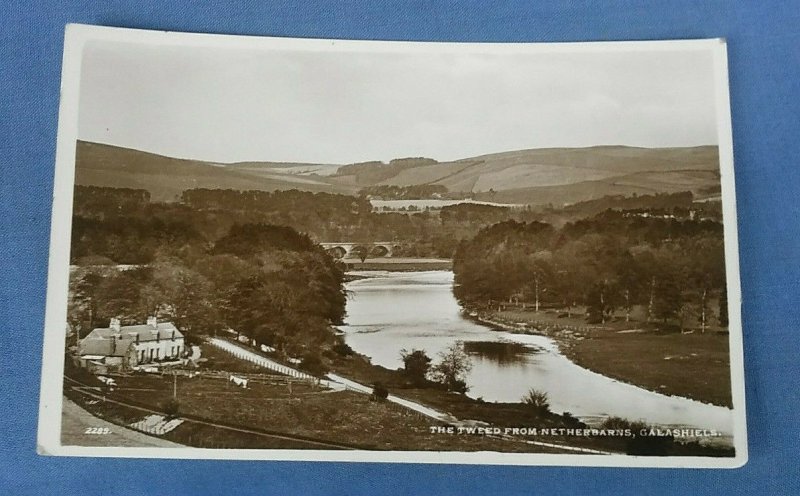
336	250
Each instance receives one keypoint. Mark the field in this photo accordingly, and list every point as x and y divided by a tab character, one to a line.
510	414
302	412
537	177
695	365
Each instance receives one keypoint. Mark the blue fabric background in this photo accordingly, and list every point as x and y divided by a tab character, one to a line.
764	50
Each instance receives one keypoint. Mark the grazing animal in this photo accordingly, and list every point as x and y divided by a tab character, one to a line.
108	381
239	381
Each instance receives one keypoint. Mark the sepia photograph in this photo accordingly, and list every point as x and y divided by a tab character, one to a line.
307	249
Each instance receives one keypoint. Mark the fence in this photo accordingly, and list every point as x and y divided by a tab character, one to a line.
266	363
262	378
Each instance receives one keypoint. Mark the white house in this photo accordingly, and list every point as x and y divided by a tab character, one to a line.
127	346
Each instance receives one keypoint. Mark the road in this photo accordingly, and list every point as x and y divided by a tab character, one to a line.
75	421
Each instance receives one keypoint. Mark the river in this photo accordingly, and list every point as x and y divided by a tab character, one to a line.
390	311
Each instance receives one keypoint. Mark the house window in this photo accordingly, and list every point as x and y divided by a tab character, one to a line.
151	354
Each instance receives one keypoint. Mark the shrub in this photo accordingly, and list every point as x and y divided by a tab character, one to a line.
379	392
342	349
619	423
538	400
639	444
313	364
416	365
171	407
451	371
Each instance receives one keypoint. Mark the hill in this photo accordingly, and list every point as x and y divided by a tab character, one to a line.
166	177
537	176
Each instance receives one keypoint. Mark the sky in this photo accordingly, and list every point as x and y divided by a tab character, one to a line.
345	106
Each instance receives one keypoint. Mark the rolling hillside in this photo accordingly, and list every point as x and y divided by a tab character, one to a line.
166	177
539	176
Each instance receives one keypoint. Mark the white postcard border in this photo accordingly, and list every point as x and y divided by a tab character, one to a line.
50	408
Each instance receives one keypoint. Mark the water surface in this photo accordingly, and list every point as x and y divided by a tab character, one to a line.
391	311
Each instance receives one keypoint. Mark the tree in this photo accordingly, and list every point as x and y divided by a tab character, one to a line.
668	299
416	365
538	400
379	392
182	295
313	364
601	301
453	366
83	303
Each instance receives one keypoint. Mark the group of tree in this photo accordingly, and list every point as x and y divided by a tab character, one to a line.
449	372
672	268
267	282
412	192
124	226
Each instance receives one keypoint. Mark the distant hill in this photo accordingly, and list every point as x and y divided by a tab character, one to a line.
538	176
165	177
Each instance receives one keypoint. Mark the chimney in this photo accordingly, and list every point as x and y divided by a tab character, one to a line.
152	322
114	325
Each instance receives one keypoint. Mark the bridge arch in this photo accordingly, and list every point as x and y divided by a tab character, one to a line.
337	252
380	251
345	249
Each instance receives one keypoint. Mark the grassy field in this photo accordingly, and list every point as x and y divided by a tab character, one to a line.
506	414
305	413
344	417
695	365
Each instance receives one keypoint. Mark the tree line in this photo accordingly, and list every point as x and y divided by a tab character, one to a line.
673	269
267	282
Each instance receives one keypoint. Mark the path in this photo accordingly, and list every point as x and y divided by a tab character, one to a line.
75	421
338	382
250	356
335	381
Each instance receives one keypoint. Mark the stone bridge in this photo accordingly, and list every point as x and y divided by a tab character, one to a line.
375	249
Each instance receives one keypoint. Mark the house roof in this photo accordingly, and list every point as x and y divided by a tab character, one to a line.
105	347
145	332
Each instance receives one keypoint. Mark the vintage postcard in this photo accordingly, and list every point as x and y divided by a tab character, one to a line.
297	249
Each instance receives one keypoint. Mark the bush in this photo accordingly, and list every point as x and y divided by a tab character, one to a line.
538	400
416	365
313	364
638	444
342	349
171	407
619	423
451	371
379	392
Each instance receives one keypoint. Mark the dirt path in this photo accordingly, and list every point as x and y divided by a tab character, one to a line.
337	382
75	421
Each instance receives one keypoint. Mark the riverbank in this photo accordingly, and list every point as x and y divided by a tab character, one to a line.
507	416
398	264
693	365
